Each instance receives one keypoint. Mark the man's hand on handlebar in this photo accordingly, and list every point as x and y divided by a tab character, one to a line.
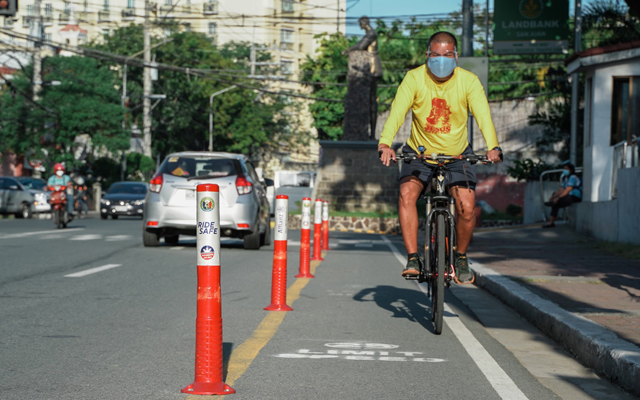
494	156
386	154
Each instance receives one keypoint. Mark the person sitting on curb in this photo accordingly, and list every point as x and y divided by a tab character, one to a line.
569	193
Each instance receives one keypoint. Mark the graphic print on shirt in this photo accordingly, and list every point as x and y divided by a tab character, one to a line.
438	120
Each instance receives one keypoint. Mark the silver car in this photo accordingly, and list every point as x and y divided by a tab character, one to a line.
170	204
15	198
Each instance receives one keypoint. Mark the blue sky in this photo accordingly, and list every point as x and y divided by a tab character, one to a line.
376	8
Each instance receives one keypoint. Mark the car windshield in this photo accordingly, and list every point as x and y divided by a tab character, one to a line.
33	183
127	189
188	167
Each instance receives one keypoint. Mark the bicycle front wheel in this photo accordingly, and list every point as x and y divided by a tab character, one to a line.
438	283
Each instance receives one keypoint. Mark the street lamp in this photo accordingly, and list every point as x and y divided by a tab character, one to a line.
211	113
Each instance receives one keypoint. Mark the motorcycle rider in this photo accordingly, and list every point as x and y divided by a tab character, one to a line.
60	178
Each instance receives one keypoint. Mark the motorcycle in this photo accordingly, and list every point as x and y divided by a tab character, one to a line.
58	201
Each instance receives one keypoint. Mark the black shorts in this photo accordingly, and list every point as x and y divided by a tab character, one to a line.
460	172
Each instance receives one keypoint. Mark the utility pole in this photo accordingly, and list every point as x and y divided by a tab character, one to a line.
253	59
575	85
338	19
38	31
486	30
146	101
467	28
467	51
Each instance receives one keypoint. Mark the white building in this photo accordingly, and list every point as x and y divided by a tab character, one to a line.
611	177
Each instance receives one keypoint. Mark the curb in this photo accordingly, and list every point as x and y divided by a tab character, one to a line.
593	345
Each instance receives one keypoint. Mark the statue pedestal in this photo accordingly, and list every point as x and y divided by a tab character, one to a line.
357	104
352	177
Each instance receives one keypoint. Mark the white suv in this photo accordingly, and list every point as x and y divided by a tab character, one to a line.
170	205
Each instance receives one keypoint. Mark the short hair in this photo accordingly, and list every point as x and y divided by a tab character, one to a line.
572	168
364	18
443	37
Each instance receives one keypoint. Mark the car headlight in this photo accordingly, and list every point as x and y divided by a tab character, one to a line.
138	202
105	202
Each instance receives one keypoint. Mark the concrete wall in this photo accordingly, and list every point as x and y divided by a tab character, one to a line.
533	201
614	220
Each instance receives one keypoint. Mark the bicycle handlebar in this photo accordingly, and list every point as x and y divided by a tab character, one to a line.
471	158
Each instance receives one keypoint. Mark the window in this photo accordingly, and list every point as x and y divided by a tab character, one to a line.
82	37
30	9
85	6
131	3
167	2
47	36
286	35
287	67
106	5
67	7
105	32
48	9
187	27
213	28
287	6
625	109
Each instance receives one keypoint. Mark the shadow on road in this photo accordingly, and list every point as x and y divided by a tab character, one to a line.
402	303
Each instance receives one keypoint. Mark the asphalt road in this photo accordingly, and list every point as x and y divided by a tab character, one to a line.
89	313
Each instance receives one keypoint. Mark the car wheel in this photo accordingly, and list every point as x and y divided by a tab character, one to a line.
25	211
252	240
172	240
103	216
150	238
114	216
265	238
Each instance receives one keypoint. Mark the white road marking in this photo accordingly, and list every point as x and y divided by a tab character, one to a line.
177	248
360	351
92	271
499	380
90	236
117	238
25	234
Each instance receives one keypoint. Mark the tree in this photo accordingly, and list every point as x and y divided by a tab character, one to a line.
181	121
85	102
608	22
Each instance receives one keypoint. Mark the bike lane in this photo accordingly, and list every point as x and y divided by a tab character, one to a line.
358	330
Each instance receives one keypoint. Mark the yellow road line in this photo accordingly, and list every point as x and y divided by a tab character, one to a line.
242	357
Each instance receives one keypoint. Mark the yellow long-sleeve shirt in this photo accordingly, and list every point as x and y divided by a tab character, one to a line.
440	114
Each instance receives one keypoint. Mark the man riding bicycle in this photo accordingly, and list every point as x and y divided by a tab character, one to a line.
439	93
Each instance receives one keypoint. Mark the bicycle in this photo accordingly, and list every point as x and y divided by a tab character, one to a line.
437	268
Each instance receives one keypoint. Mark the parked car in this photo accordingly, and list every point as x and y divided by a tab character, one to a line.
38	188
170	208
124	198
15	198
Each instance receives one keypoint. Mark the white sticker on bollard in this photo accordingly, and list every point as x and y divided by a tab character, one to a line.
208	229
325	210
317	217
282	215
306	213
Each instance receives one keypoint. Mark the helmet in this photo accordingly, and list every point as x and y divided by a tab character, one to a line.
58	167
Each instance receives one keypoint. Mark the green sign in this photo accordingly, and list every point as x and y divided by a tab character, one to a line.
530	26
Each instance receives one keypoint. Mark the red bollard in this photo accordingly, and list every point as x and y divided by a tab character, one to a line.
305	240
317	232
208	368
279	274
325	225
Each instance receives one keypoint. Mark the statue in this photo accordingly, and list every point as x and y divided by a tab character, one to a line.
369	45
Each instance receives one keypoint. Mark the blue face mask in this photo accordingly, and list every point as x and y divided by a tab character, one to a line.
565	172
441	66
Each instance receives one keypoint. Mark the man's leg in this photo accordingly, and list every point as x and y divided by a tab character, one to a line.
465	222
466	218
410	189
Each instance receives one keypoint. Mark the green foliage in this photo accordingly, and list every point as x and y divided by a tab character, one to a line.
85	103
514	209
106	170
139	166
527	169
607	22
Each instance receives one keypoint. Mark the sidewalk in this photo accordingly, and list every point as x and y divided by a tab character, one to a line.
568	270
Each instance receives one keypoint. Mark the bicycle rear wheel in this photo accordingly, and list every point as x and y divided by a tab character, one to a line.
438	282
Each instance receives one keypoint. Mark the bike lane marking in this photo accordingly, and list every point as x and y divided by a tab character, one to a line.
92	271
242	357
499	380
25	234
